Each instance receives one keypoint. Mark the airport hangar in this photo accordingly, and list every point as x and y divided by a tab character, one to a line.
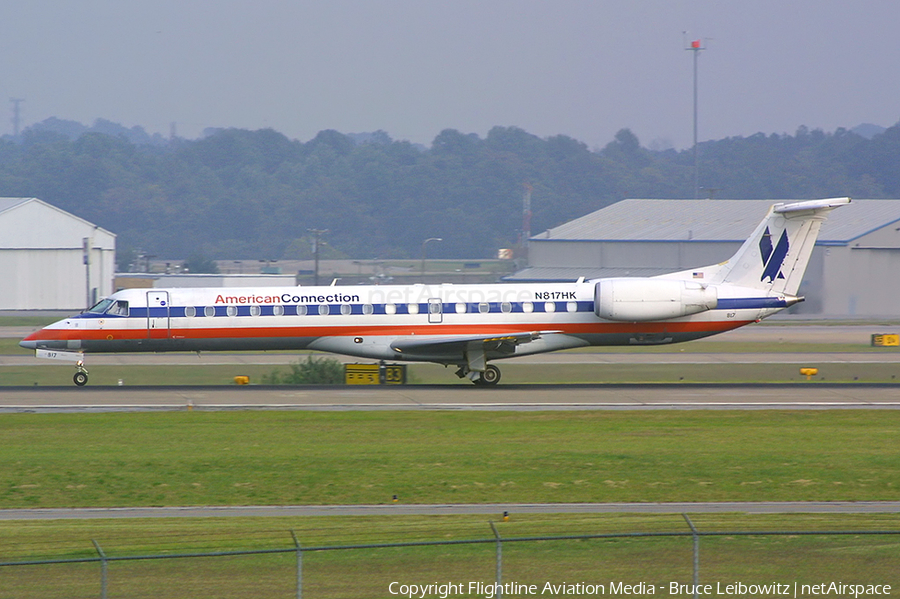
51	259
853	272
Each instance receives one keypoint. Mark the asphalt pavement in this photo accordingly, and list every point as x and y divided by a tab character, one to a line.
497	509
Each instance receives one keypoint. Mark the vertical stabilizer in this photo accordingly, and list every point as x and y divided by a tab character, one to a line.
775	256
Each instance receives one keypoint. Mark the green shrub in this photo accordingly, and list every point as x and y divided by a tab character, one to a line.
312	371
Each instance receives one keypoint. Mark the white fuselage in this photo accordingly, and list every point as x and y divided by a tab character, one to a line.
366	321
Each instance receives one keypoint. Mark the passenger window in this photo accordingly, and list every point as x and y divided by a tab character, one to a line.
413	308
368	309
209	311
506	307
277	310
190	311
549	307
346	309
390	309
527	307
460	307
484	307
323	309
255	311
231	311
301	309
572	306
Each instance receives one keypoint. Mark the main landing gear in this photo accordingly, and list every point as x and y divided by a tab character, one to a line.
489	377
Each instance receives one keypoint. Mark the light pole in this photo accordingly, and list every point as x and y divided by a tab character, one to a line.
87	247
696	47
317	233
424	243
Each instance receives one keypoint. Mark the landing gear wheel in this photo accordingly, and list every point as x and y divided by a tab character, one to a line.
490	376
80	378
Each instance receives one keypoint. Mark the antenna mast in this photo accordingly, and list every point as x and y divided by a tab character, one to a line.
526	218
16	115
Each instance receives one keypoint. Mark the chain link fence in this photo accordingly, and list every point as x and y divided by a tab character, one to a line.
689	563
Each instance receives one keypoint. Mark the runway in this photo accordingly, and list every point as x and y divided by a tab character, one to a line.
488	509
683	396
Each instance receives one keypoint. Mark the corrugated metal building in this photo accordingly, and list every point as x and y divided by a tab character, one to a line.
853	271
43	253
158	280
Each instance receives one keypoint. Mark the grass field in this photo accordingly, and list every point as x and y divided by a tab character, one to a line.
276	458
29	321
225	458
273	458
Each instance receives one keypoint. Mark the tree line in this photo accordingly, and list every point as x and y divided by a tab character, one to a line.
239	194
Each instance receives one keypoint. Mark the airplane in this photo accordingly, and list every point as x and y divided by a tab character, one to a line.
466	326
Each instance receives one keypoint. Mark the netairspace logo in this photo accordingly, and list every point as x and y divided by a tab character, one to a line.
490	590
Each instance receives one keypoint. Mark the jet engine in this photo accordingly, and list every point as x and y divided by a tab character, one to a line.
641	299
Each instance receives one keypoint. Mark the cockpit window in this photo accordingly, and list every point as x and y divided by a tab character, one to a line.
111	307
101	306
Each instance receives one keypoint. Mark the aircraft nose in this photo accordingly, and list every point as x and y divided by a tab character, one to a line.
30	342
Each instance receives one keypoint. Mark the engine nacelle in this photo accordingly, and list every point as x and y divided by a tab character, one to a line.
640	299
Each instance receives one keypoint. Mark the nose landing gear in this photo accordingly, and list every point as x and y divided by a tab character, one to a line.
81	375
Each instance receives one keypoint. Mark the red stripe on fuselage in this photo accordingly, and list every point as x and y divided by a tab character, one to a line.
392	330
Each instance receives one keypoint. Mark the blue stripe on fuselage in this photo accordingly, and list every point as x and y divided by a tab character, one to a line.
742	303
748	303
538	306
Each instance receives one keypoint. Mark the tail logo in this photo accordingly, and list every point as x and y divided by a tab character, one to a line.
773	258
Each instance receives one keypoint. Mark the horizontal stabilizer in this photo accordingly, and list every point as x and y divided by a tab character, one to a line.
810	206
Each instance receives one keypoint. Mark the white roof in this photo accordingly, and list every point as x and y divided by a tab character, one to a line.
30	223
7	203
712	220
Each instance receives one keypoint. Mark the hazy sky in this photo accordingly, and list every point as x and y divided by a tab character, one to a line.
583	68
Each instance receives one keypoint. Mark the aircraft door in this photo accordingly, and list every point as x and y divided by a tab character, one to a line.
158	314
435	310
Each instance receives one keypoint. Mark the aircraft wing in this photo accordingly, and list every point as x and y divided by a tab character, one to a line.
452	347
